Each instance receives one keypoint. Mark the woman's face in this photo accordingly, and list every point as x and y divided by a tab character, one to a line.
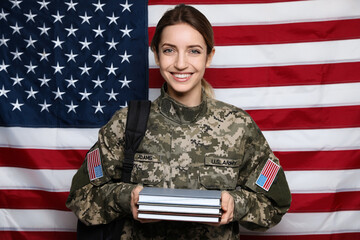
182	59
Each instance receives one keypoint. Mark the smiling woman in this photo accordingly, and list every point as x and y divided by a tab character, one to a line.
192	141
189	29
182	59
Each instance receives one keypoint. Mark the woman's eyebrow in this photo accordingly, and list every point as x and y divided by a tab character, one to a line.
174	46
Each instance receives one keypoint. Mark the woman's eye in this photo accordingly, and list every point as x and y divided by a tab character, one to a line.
195	51
168	50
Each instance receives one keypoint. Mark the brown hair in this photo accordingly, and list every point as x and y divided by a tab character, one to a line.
187	14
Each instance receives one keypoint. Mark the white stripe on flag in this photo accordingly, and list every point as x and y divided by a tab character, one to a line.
30	179
314	139
314	223
292	223
329	181
48	138
327	95
37	220
282	140
274	13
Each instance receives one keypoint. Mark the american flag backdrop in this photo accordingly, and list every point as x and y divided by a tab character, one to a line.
66	66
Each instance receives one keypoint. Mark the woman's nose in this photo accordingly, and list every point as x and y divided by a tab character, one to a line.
181	61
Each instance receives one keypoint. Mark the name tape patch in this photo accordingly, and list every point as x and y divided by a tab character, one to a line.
267	175
94	164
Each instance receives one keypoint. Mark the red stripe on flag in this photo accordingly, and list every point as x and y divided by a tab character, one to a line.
283	33
325	202
35	235
306	160
274	76
33	199
41	158
319	160
307	118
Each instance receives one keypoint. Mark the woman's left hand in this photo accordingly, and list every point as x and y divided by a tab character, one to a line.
227	206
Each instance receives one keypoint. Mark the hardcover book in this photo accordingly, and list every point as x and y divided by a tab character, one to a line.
191	197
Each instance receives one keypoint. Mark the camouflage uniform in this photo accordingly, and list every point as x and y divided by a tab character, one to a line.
212	146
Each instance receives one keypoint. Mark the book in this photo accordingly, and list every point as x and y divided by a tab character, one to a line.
179	209
188	218
192	197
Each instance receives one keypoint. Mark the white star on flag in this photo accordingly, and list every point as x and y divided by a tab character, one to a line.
85	95
44	106
71	5
31	93
112	95
43	4
17	105
30	16
126	6
16	3
58	94
71	82
126	31
98	107
3	66
30	42
44	81
44	55
111	69
99	6
3	92
58	68
125	57
125	82
17	80
58	17
72	107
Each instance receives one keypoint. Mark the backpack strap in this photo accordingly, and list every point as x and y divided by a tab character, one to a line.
137	117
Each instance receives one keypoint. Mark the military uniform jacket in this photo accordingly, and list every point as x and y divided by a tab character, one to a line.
212	146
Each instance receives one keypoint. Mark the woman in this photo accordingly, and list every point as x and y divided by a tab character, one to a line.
192	141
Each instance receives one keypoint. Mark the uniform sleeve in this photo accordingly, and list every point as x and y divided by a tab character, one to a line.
97	196
255	208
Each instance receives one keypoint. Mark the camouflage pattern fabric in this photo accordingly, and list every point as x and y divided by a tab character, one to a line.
212	146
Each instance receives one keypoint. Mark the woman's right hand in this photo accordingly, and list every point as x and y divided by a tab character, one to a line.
134	205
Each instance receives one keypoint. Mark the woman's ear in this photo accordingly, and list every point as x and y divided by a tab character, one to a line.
210	57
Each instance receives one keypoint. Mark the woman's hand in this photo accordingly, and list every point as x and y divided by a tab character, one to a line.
134	205
134	200
227	206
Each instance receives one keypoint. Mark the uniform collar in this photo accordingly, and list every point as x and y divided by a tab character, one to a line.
178	112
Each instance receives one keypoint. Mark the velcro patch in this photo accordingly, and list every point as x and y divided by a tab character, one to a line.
94	165
267	175
222	162
145	157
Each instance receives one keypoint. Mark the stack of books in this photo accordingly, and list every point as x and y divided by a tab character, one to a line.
180	205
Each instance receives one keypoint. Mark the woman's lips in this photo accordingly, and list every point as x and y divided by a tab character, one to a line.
181	77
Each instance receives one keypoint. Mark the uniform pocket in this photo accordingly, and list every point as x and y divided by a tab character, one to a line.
219	173
147	169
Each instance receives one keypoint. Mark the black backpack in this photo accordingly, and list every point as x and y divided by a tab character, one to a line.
137	117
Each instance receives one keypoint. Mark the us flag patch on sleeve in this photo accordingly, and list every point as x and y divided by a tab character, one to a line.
267	175
94	164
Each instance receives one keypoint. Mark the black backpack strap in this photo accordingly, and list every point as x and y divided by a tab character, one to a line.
137	117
